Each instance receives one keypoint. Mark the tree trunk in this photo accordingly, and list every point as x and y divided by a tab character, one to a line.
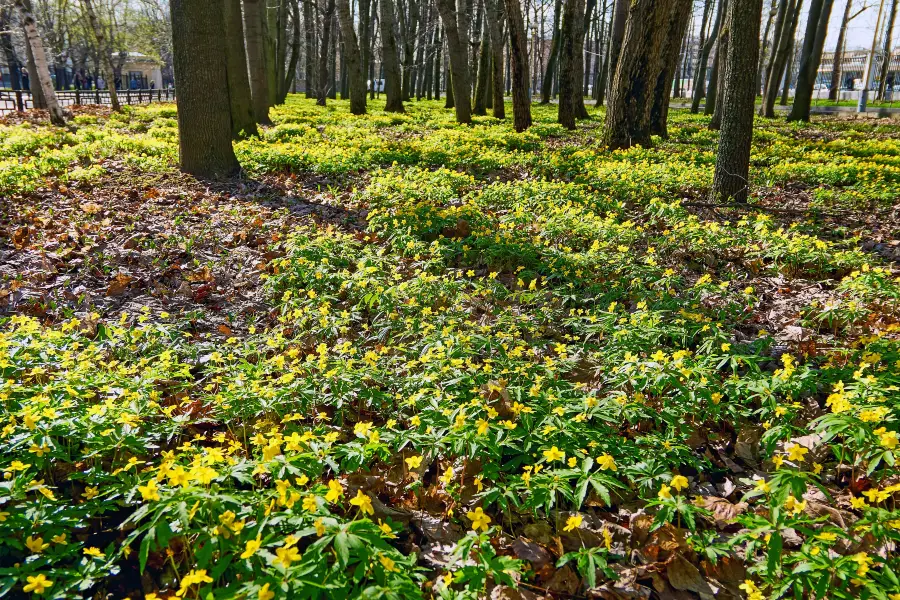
788	72
730	179
602	57
495	29
717	93
105	53
484	69
628	113
703	59
438	60
779	63
34	84
810	58
323	79
782	19
518	54
886	52
290	73
456	24
680	13
569	82
256	59
9	51
239	96
617	35
835	85
765	47
356	79
42	69
204	119
390	59
309	67
552	61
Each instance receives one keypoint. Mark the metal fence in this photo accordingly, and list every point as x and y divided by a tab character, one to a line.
20	100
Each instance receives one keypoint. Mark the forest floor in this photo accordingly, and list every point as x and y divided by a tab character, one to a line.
398	358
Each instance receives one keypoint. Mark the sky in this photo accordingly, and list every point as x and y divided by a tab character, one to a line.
861	29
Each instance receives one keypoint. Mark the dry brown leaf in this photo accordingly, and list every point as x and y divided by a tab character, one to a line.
91	208
723	511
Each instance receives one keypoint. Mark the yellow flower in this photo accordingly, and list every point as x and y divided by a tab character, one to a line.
607	463
387	563
264	593
386	529
665	492
797	452
193	577
335	491
479	519
287	555
447	477
320	527
36	545
858	502
726	347
763	486
90	493
93	551
309	503
889	440
413	462
37	584
573	522
149	491
554	453
251	548
679	482
363	502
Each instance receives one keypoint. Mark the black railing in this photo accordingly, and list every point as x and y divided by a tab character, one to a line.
20	100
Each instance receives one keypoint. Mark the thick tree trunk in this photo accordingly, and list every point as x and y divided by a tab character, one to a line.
456	25
780	59
703	59
106	64
628	114
617	35
41	68
356	78
519	66
239	95
322	77
495	28
678	20
810	58
390	59
886	52
204	119
731	176
553	60
256	59
835	85
569	82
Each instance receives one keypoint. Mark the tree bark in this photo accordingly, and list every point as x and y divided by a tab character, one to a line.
519	66
617	35
703	59
482	82
239	95
571	31
731	175
256	59
835	85
780	58
717	72
765	47
810	58
9	51
495	28
356	78
204	119
42	69
322	77
390	59
628	113
456	24
717	93
106	64
290	72
553	59
680	13
886	52
34	84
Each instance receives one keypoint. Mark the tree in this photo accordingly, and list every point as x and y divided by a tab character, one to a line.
730	178
617	34
106	64
309	66
886	51
714	104
495	28
482	81
571	31
518	56
678	21
353	56
256	59
778	62
456	32
323	80
204	112
810	58
239	96
41	68
553	59
630	100
835	85
9	51
703	60
390	59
